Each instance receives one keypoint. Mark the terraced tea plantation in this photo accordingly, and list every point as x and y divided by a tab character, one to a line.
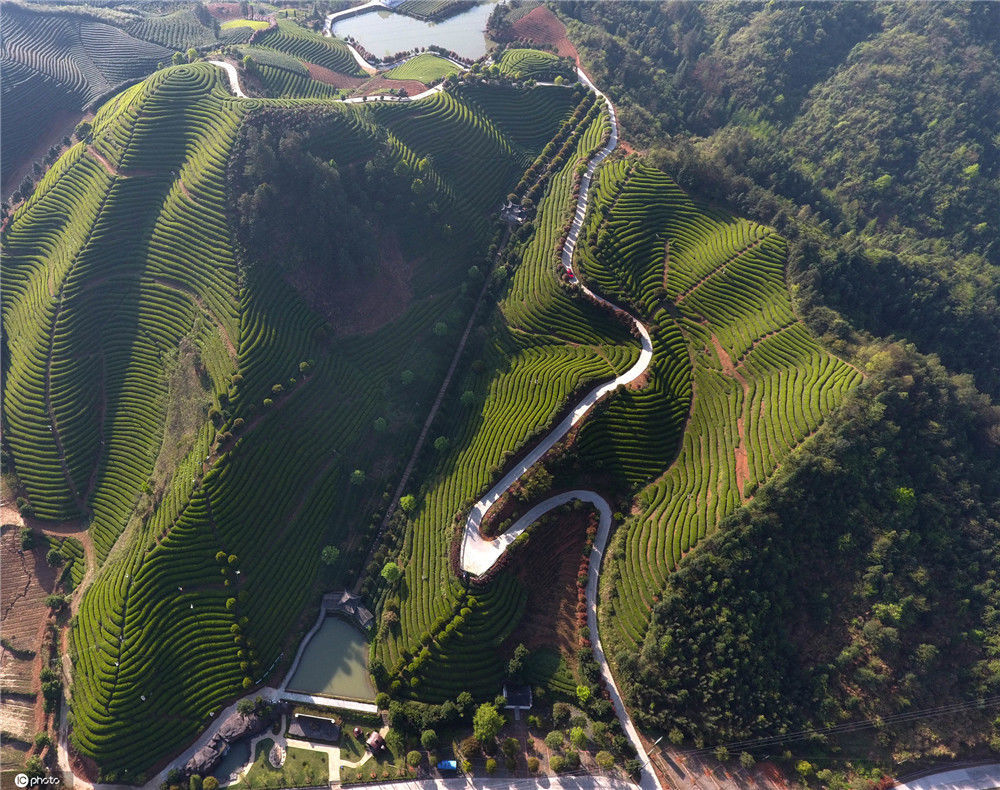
56	64
123	292
760	384
330	53
426	68
534	64
283	76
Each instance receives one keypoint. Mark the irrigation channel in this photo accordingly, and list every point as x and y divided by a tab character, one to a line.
477	553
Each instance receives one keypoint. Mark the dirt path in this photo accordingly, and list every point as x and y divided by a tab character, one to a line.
118	172
742	464
181	288
764	337
666	263
732	258
74	490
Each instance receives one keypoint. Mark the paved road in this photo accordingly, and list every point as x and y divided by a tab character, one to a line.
583	782
234	83
479	554
353	11
234	77
978	777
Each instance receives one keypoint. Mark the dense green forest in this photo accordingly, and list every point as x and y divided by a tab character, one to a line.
867	130
861	584
294	207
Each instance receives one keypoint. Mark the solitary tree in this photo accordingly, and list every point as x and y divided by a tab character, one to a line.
357	477
516	663
407	503
486	722
391	572
330	555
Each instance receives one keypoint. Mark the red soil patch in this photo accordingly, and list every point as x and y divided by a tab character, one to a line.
27	579
548	569
544	27
119	172
225	11
82	767
742	465
382	84
334	78
362	304
640	381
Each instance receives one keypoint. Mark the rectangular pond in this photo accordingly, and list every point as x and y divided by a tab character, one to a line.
385	33
335	663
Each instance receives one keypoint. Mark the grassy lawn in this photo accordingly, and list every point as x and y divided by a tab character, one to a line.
302	768
426	68
351	749
256	24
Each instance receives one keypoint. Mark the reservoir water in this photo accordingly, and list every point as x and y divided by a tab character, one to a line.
335	663
385	33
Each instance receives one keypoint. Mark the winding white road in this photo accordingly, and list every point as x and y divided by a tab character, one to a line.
234	77
479	554
234	84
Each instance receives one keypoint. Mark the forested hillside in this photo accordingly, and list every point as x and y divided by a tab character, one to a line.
860	585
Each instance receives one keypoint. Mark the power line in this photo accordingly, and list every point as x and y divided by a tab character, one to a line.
847	727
